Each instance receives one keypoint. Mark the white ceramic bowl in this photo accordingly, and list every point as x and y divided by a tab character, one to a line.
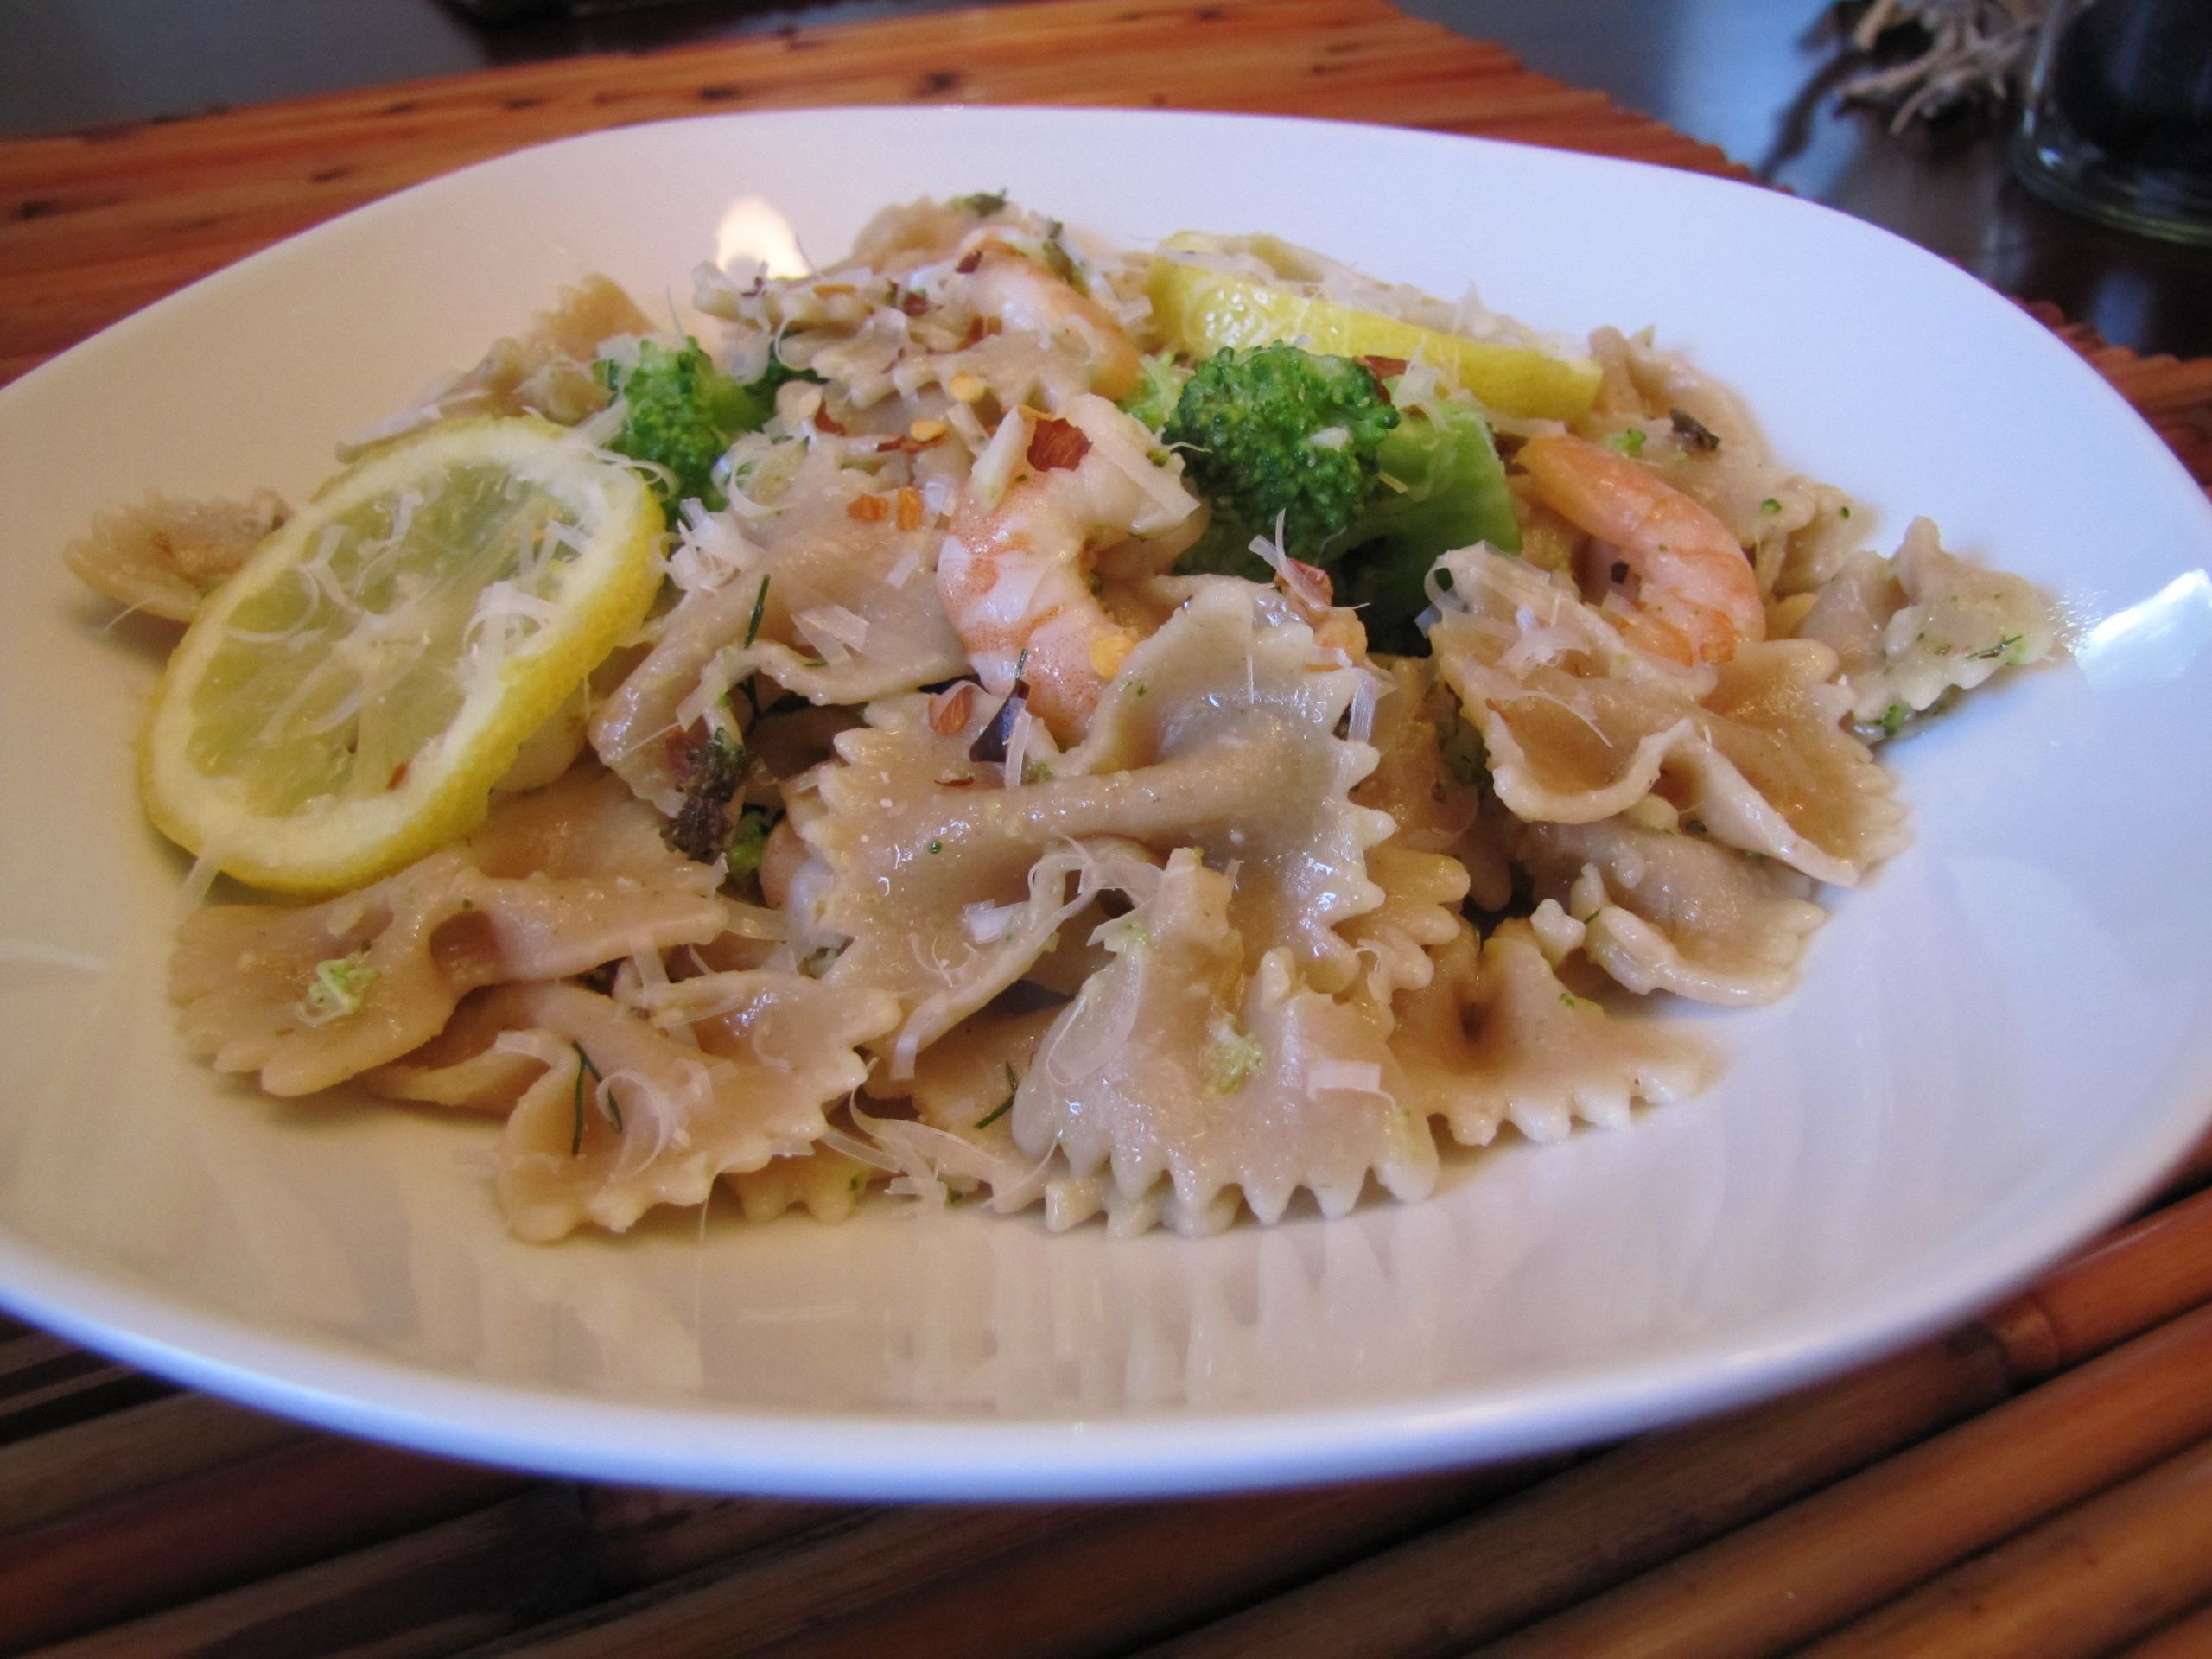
2000	1042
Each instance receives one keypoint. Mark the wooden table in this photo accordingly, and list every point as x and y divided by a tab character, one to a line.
2039	1484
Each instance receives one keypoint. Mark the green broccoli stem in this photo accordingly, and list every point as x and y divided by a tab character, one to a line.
1454	495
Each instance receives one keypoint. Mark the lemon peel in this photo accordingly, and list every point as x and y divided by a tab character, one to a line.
1200	309
345	703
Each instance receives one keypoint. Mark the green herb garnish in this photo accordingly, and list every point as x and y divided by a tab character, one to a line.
759	609
613	1105
336	989
1013	1088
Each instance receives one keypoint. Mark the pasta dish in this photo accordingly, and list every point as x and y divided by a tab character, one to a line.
1009	720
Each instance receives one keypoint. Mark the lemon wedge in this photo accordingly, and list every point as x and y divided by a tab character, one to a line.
345	703
1200	309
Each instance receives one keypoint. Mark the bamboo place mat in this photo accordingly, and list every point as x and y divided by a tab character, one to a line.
2037	1484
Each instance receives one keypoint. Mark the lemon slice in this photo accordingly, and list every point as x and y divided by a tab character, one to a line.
344	704
1199	309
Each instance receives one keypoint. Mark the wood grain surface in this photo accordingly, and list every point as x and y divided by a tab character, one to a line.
2037	1484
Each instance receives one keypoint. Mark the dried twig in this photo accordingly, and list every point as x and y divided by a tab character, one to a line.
1973	48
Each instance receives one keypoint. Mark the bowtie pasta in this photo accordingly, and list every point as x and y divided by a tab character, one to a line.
1144	733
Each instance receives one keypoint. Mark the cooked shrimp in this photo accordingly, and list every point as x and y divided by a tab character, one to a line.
1015	574
1018	292
1697	597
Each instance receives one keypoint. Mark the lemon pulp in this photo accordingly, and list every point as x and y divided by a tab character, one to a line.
1200	309
345	703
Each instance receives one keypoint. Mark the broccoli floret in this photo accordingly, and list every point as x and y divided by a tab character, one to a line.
1154	401
713	773
683	413
748	840
1374	503
1443	487
1273	432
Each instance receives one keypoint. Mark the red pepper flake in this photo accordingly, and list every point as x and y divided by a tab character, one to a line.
956	779
825	422
399	776
1057	445
950	708
913	304
906	444
1384	368
968	266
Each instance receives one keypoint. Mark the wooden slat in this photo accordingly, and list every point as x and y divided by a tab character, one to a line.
224	1526
72	1469
1059	1581
1782	1580
2070	1589
2189	1637
1656	1498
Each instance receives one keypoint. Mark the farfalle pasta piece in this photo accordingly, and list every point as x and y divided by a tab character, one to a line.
619	1114
1430	864
1216	732
836	608
164	555
825	1181
546	369
1580	726
1220	733
1496	1038
1668	911
1909	629
1177	1065
555	883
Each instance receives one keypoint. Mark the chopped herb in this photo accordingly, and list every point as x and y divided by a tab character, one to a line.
1037	772
1694	433
748	840
614	1106
981	203
818	962
1232	1060
1770	506
1628	441
759	609
1568	1000
1058	260
1013	1088
937	847
1694	826
1843	512
1139	687
859	1183
1464	756
2005	647
337	988
1893	719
